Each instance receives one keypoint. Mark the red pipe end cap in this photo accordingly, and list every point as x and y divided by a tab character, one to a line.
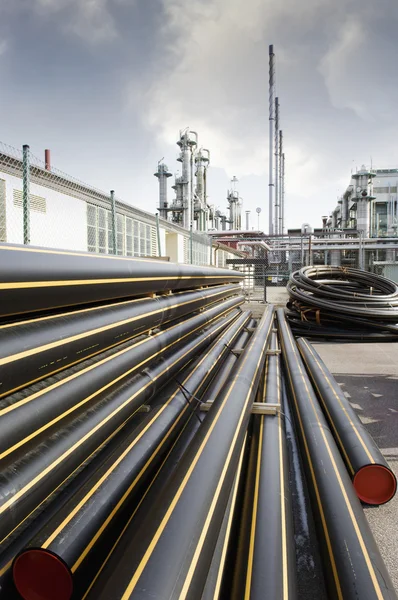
40	575
375	484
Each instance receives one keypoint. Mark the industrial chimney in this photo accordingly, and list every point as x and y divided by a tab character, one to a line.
47	160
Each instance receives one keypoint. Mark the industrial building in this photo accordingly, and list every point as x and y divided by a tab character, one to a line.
68	214
369	204
365	216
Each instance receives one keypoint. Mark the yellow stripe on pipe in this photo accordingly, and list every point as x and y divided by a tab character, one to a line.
254	512
217	588
18	285
282	493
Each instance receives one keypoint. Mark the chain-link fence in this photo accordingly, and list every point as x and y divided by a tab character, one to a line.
267	272
42	206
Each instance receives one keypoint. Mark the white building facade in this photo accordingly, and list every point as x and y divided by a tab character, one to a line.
67	214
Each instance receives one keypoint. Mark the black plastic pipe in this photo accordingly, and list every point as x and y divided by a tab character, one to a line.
373	480
33	416
353	565
344	297
74	534
213	589
217	384
26	483
186	519
266	562
34	349
38	279
7	588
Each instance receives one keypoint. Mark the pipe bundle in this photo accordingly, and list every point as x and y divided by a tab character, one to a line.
142	440
83	351
351	559
343	303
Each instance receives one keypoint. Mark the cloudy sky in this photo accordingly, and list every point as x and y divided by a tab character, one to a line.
108	84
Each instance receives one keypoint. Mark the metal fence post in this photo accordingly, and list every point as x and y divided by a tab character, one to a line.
158	234
113	212
26	193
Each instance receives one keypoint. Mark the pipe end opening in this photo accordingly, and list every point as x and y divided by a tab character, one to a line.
375	484
40	575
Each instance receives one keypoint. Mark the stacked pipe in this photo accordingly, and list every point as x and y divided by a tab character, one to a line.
142	440
342	303
87	340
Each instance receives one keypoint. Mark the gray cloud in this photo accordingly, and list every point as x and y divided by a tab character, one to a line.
119	78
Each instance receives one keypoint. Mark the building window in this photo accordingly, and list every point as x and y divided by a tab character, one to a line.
129	236
102	231
91	228
3	228
199	253
120	233
136	239
148	240
385	190
110	232
133	237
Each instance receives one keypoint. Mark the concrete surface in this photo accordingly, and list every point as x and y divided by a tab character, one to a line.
275	295
368	374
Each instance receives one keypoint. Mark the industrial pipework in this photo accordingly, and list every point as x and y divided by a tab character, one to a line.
190	208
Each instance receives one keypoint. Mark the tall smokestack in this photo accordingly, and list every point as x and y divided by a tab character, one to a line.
271	137
247	220
281	198
276	186
283	194
47	160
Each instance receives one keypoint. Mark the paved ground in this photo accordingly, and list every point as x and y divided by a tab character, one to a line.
368	374
275	295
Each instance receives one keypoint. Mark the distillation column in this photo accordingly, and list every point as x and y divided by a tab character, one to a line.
186	144
202	161
163	174
363	198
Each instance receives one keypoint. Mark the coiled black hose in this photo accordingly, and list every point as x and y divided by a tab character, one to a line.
341	302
